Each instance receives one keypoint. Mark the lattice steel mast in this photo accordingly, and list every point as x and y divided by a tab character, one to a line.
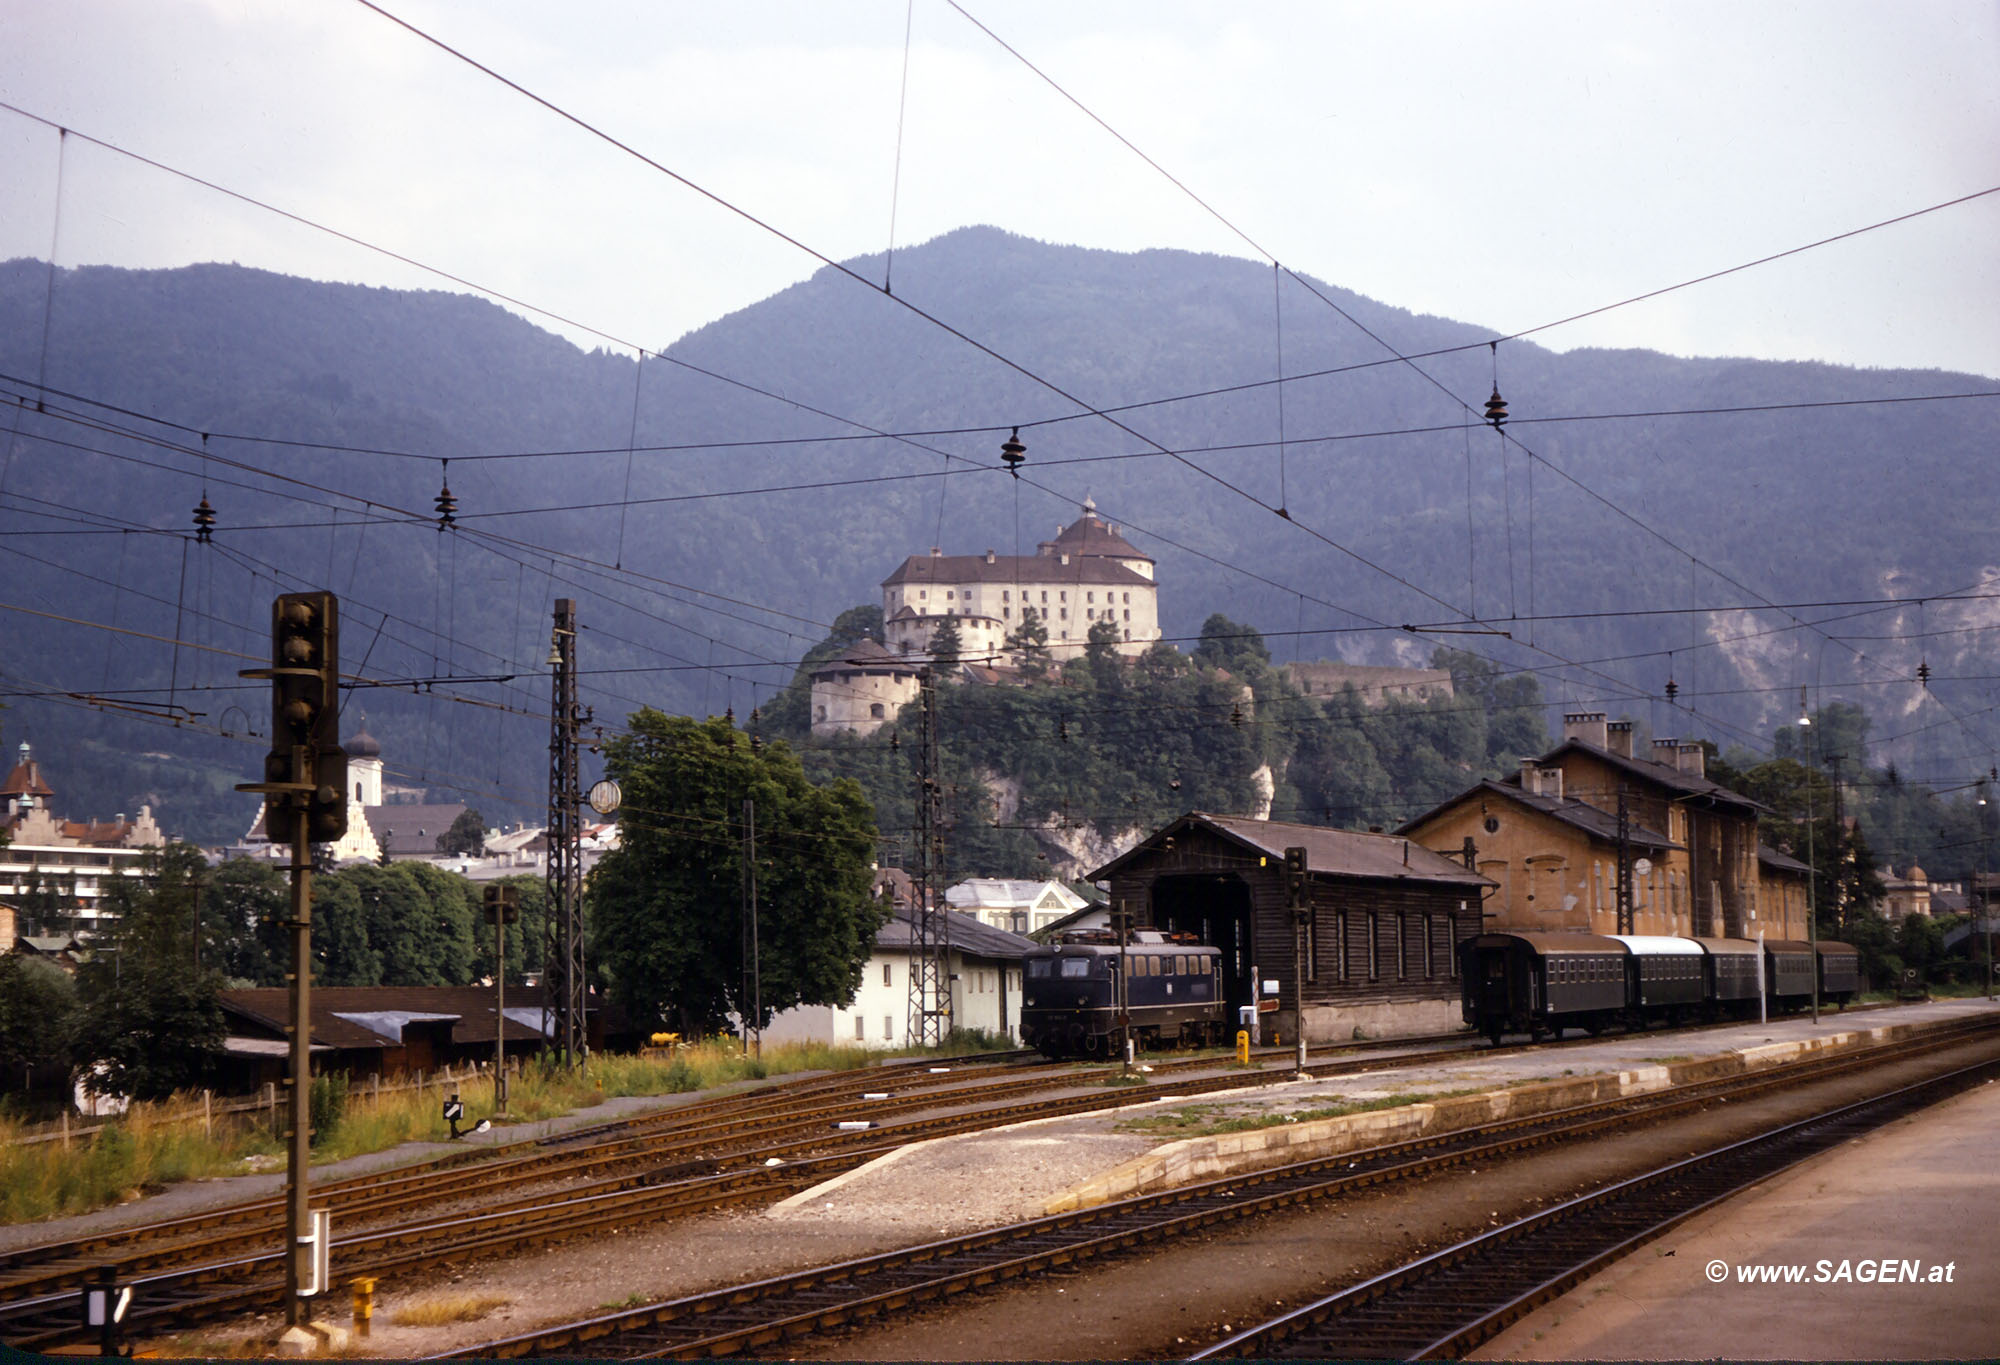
930	999
563	986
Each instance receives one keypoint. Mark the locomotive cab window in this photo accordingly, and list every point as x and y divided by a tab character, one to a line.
1076	966
1037	967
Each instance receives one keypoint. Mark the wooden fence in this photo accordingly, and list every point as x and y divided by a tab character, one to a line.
66	1130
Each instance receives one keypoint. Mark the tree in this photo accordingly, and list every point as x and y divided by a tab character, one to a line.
947	644
37	1020
1030	642
150	1022
669	934
1230	644
243	912
466	837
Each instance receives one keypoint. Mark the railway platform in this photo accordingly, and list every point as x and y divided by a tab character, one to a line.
953	1184
1906	1211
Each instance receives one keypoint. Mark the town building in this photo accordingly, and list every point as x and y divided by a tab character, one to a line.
1019	907
77	860
1087	575
1914	893
1384	917
1548	837
1375	686
983	970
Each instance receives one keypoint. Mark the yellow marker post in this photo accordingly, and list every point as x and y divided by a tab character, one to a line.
364	1303
1243	1046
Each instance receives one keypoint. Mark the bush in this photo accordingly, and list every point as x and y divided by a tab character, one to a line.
328	1105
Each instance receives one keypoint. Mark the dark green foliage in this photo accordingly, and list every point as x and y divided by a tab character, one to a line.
669	932
467	835
947	643
150	1023
244	906
38	1019
1230	644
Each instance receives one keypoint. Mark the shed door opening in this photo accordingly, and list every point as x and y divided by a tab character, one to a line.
1216	910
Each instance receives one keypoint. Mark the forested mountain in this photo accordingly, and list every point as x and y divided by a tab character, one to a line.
355	397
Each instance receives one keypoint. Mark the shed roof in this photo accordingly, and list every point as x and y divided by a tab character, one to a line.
1329	852
375	1016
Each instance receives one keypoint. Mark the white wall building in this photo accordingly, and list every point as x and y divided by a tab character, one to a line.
78	858
984	975
861	691
1020	907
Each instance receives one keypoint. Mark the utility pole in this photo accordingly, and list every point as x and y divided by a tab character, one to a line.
756	993
305	799
1624	864
1840	849
564	995
930	1004
503	907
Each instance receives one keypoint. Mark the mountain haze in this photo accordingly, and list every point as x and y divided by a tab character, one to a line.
1798	504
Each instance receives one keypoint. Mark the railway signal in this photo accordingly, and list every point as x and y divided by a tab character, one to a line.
305	801
104	1307
1298	888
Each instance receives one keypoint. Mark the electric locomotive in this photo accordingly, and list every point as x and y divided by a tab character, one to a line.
1069	996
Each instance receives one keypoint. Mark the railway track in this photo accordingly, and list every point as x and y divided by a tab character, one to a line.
1444	1304
697	1157
748	1318
725	1144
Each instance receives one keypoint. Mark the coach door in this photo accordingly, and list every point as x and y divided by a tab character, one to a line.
1216	910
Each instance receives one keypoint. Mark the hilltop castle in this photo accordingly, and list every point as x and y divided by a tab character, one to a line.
1087	575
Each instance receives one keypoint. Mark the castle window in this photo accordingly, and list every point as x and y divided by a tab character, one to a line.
1003	595
357	793
924	595
819	713
1128	615
876	712
1062	597
1090	597
1128	597
947	594
1065	613
1045	594
1007	613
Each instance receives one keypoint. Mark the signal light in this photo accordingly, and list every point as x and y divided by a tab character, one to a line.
305	718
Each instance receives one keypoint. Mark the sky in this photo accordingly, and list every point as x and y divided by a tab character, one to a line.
1503	164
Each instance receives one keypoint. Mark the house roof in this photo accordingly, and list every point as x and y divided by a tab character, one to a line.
1600	825
967	935
868	654
1329	852
25	778
1770	857
951	570
1090	534
1004	893
407	829
1658	773
376	1016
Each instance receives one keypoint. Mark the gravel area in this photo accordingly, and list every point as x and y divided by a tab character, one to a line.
952	1185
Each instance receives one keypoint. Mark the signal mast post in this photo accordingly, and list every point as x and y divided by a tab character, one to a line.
305	794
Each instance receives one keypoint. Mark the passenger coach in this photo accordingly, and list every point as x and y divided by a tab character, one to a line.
1541	984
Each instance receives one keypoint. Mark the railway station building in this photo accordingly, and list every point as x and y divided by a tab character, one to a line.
1385	914
1548	837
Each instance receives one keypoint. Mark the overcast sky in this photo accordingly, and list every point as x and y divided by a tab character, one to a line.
1505	164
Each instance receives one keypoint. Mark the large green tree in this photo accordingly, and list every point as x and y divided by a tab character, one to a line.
38	1016
150	1022
667	904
